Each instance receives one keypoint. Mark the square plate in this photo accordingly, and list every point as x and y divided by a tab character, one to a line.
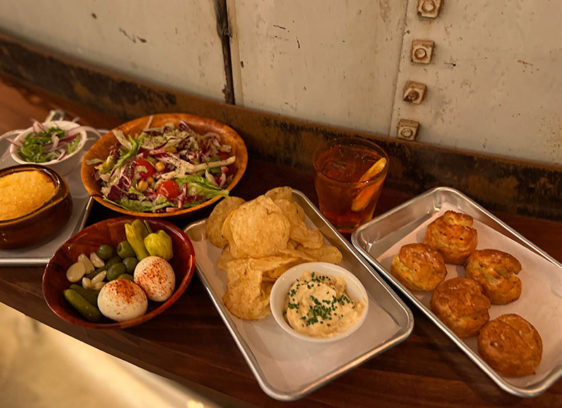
288	368
541	277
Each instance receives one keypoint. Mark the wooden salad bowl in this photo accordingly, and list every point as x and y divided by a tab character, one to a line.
112	231
101	149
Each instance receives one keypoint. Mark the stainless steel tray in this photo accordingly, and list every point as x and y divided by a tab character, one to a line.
287	368
81	206
541	276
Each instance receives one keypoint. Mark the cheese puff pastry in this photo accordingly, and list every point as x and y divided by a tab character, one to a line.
510	345
495	271
461	305
452	235
418	267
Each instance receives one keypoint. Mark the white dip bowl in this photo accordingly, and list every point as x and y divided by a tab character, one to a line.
280	290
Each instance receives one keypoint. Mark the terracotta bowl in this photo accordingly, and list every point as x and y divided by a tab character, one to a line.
43	223
112	231
100	150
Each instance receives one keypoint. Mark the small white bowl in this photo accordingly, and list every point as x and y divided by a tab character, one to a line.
68	163
354	289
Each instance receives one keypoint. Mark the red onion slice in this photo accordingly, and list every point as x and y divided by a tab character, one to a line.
38	127
55	143
14	142
80	129
147	126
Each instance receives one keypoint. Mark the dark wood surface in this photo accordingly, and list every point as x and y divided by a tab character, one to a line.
190	344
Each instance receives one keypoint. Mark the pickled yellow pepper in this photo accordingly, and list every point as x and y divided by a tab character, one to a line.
135	232
159	244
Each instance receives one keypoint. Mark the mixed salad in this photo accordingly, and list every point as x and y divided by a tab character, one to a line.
165	169
44	144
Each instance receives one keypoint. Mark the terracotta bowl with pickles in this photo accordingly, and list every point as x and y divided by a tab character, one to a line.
164	165
113	293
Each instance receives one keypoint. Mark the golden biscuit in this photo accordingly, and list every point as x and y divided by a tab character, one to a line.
495	271
510	345
452	235
418	267
461	305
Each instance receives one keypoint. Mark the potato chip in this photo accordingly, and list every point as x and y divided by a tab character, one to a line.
309	238
262	239
246	296
297	253
224	258
270	267
292	210
217	217
325	254
280	192
256	229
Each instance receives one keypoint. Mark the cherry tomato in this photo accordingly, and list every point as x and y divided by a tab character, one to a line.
146	168
169	189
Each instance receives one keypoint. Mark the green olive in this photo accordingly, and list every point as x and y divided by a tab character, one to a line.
114	260
115	270
126	276
125	250
130	262
105	251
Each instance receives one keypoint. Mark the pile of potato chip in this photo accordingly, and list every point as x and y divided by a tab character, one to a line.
261	239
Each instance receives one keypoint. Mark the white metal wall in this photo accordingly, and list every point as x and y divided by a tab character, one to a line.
495	82
171	42
493	85
328	61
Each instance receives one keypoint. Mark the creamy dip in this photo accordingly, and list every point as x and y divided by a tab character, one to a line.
318	306
23	192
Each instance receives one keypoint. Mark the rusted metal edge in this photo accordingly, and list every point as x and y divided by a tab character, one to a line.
500	184
223	30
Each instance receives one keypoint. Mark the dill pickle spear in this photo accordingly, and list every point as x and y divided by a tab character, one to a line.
91	295
82	306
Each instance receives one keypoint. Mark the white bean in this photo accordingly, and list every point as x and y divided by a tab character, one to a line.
86	283
87	263
98	285
98	278
75	272
96	260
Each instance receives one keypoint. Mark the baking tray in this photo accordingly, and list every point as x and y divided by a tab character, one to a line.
287	368
541	277
81	206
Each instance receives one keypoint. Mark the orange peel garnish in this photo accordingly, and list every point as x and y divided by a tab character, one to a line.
364	197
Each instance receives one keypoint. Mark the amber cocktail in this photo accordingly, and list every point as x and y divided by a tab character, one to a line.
348	177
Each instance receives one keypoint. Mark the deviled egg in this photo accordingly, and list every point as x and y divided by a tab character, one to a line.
122	300
156	276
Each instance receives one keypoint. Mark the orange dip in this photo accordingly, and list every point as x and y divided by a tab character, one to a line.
24	192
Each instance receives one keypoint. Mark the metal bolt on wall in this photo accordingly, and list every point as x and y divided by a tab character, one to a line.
429	8
414	92
407	129
421	53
